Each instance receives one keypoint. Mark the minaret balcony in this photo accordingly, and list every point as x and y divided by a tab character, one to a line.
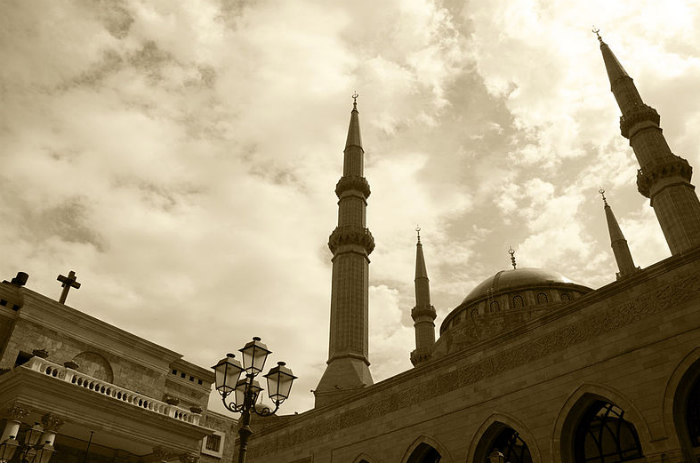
352	182
636	115
667	167
349	235
423	311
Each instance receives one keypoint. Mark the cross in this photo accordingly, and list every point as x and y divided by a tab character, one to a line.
67	283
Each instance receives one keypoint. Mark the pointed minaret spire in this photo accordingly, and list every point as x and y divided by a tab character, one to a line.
623	257
664	178
423	313
351	244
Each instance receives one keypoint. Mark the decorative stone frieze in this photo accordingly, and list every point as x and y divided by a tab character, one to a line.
656	170
351	234
640	113
352	182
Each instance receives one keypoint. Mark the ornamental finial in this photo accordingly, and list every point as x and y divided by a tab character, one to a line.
511	251
354	100
602	193
418	232
596	31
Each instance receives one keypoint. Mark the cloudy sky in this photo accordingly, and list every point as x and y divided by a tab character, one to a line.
181	157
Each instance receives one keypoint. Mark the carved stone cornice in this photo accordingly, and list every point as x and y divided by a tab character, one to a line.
352	182
350	234
51	422
667	167
383	402
640	113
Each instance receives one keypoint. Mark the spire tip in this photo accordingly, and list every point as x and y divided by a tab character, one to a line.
596	31
418	229
602	193
354	100
511	251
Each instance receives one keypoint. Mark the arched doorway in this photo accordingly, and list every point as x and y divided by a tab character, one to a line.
603	435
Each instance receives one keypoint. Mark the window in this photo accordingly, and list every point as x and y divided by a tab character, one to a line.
494	307
518	303
565	297
692	414
542	298
513	448
213	444
604	436
475	312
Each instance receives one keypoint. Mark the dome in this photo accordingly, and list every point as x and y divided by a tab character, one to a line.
518	294
506	280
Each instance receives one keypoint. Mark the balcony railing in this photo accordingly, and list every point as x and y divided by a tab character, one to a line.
110	390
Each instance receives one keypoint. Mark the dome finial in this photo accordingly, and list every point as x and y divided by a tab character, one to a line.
602	193
596	31
511	251
418	232
354	99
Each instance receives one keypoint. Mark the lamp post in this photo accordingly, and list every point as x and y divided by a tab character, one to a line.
245	391
31	451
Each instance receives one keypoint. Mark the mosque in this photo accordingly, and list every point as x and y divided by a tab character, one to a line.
530	367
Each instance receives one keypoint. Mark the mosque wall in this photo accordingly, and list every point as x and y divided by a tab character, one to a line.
626	343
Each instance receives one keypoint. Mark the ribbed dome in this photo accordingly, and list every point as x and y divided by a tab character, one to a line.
517	278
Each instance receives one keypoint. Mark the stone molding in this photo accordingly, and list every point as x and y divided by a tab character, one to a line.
594	325
665	168
351	234
352	182
640	113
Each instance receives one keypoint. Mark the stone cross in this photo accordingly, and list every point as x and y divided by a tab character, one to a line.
67	283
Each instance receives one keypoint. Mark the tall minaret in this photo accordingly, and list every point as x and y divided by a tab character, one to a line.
623	257
351	243
663	177
423	313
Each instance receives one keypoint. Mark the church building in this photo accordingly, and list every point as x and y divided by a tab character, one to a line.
530	367
74	389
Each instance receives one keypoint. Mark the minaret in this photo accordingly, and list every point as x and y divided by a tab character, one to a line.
663	177
351	243
623	257
423	313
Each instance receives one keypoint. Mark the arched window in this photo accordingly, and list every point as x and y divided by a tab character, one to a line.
513	448
424	453
475	312
518	302
604	436
494	307
542	298
565	297
692	414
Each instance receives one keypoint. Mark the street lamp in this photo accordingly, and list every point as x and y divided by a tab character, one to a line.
30	452
245	391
